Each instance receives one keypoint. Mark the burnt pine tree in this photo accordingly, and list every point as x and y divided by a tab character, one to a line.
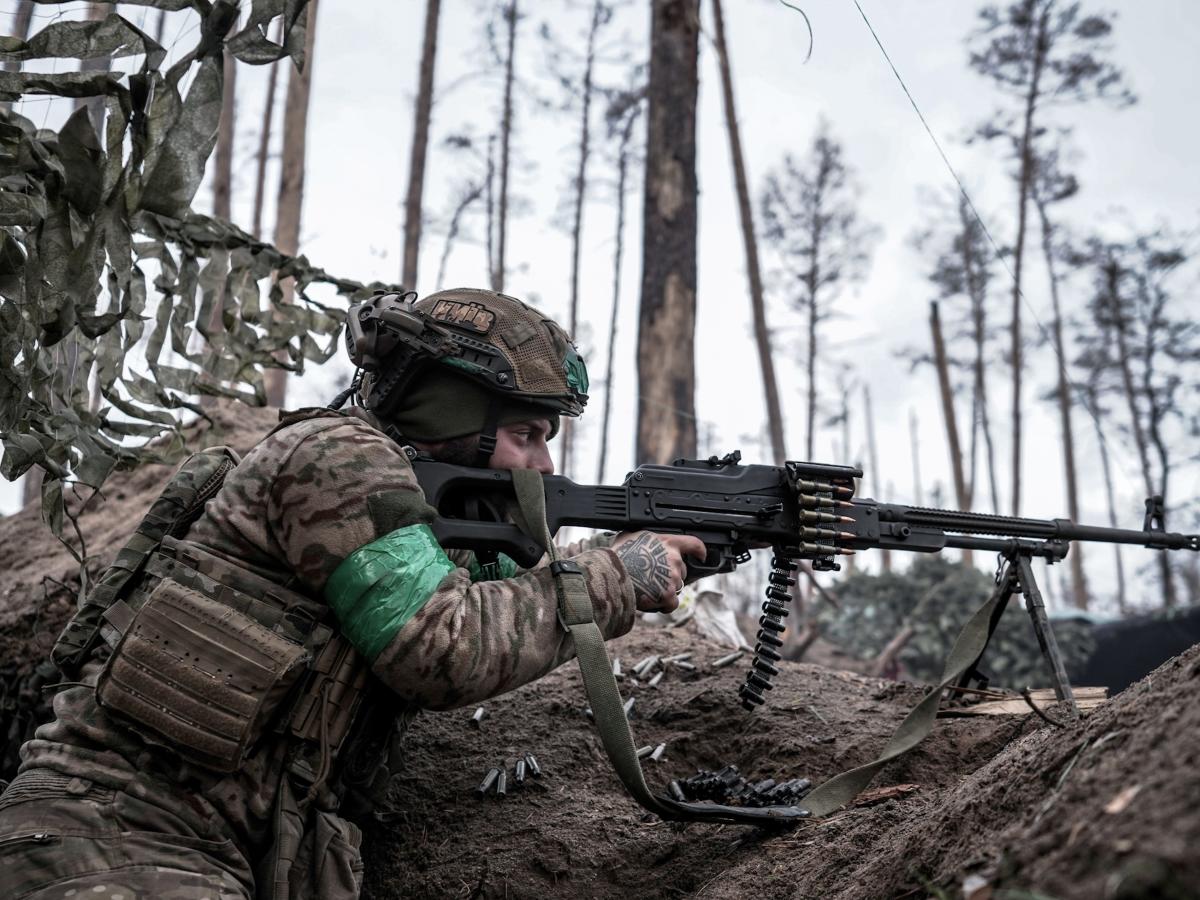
622	116
758	308
473	171
1043	54
291	179
949	418
264	140
1091	364
506	128
810	219
223	176
1051	185
580	92
1151	360
420	145
962	274
667	313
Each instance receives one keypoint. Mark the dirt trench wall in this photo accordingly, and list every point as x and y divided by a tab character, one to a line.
39	578
1009	800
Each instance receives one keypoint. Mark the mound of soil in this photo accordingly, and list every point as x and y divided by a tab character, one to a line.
1012	801
986	807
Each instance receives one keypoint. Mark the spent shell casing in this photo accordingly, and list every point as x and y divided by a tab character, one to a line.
588	712
676	792
678	657
628	706
534	769
488	780
477	716
519	772
617	668
658	752
686	666
644	667
727	660
653	682
501	783
643	752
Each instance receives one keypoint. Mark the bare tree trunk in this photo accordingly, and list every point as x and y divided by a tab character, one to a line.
566	439
913	431
886	555
505	140
470	195
291	180
667	315
758	308
1024	183
1124	356
618	258
490	181
223	183
1122	602
811	422
420	144
1153	335
977	294
943	371
226	131
1079	588
264	141
21	19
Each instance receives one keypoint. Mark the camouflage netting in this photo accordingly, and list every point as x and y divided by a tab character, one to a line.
936	597
85	386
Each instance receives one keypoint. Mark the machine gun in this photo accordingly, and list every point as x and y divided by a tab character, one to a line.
804	511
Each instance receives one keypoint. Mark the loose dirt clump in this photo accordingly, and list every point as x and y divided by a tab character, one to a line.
1107	808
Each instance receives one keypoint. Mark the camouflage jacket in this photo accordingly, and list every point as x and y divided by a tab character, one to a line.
301	502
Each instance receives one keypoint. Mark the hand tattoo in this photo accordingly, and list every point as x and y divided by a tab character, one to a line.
645	559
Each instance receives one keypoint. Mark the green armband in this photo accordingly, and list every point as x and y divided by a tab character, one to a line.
380	586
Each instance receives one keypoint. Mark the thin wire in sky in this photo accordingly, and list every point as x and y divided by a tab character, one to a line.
1081	395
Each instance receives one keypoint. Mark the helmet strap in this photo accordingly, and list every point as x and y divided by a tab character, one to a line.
487	436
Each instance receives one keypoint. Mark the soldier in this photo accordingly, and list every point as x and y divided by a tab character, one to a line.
267	658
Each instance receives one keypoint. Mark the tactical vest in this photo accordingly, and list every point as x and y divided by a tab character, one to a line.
207	658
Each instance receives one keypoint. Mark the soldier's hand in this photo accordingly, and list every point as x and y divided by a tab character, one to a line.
655	564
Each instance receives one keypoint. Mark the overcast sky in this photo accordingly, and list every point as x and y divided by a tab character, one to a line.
1135	165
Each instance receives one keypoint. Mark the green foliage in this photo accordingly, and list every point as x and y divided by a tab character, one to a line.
83	217
937	596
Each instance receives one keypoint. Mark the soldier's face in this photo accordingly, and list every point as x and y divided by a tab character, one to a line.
523	446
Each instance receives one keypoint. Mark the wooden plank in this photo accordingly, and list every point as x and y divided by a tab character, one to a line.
1086	698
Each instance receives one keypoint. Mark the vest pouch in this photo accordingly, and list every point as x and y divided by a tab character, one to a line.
198	676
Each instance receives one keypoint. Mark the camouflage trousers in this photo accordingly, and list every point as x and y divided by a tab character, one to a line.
64	837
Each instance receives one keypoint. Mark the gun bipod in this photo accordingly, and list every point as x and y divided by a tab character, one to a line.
1014	575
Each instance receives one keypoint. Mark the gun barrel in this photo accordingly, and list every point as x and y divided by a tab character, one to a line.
1038	529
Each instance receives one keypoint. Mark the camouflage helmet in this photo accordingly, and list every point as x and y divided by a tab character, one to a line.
508	348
